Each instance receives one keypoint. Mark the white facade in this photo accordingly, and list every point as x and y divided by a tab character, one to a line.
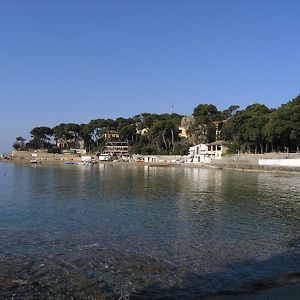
104	157
151	158
163	158
199	154
217	149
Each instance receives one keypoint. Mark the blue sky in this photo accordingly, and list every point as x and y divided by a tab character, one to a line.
73	61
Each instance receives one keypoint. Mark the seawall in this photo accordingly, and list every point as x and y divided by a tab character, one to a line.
42	156
268	161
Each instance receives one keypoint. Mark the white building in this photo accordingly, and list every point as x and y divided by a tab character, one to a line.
203	153
199	154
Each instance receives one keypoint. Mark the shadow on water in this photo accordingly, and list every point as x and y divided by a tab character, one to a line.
91	272
240	277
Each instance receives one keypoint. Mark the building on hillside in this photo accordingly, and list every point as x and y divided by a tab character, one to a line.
217	149
142	131
116	149
61	143
182	132
111	135
70	143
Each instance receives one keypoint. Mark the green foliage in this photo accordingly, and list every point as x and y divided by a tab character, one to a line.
127	132
164	134
233	148
55	150
19	144
66	131
246	128
211	132
33	144
41	137
253	129
229	112
283	127
205	113
182	149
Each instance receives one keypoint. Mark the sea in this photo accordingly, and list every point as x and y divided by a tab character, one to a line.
135	231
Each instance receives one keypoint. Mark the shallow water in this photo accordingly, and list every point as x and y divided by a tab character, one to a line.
138	232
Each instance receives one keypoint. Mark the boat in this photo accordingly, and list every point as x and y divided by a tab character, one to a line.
34	159
84	163
105	157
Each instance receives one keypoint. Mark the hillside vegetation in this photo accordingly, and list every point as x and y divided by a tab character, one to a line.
255	129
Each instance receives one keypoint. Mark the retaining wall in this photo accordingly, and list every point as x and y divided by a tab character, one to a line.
269	161
26	156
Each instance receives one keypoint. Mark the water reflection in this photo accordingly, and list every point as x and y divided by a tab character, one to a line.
154	227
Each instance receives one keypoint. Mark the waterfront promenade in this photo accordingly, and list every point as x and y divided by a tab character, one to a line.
237	162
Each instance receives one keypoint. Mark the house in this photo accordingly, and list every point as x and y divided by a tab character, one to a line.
199	154
182	132
62	143
111	135
143	131
151	158
204	153
77	144
217	149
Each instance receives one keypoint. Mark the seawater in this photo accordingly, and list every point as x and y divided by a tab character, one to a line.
130	231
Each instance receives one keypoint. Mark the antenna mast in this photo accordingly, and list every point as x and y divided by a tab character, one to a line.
172	107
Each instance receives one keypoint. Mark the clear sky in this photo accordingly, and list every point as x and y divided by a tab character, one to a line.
72	61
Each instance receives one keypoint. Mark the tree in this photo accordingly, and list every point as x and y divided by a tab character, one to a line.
211	132
246	128
147	120
205	113
68	133
127	132
230	112
207	122
41	136
164	134
19	144
283	127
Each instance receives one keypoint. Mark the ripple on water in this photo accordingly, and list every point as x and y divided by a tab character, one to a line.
141	233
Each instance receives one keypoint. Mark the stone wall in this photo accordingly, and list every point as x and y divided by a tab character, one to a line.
26	156
251	161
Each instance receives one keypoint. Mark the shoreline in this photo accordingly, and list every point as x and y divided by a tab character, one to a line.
164	165
288	291
281	287
245	163
284	287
